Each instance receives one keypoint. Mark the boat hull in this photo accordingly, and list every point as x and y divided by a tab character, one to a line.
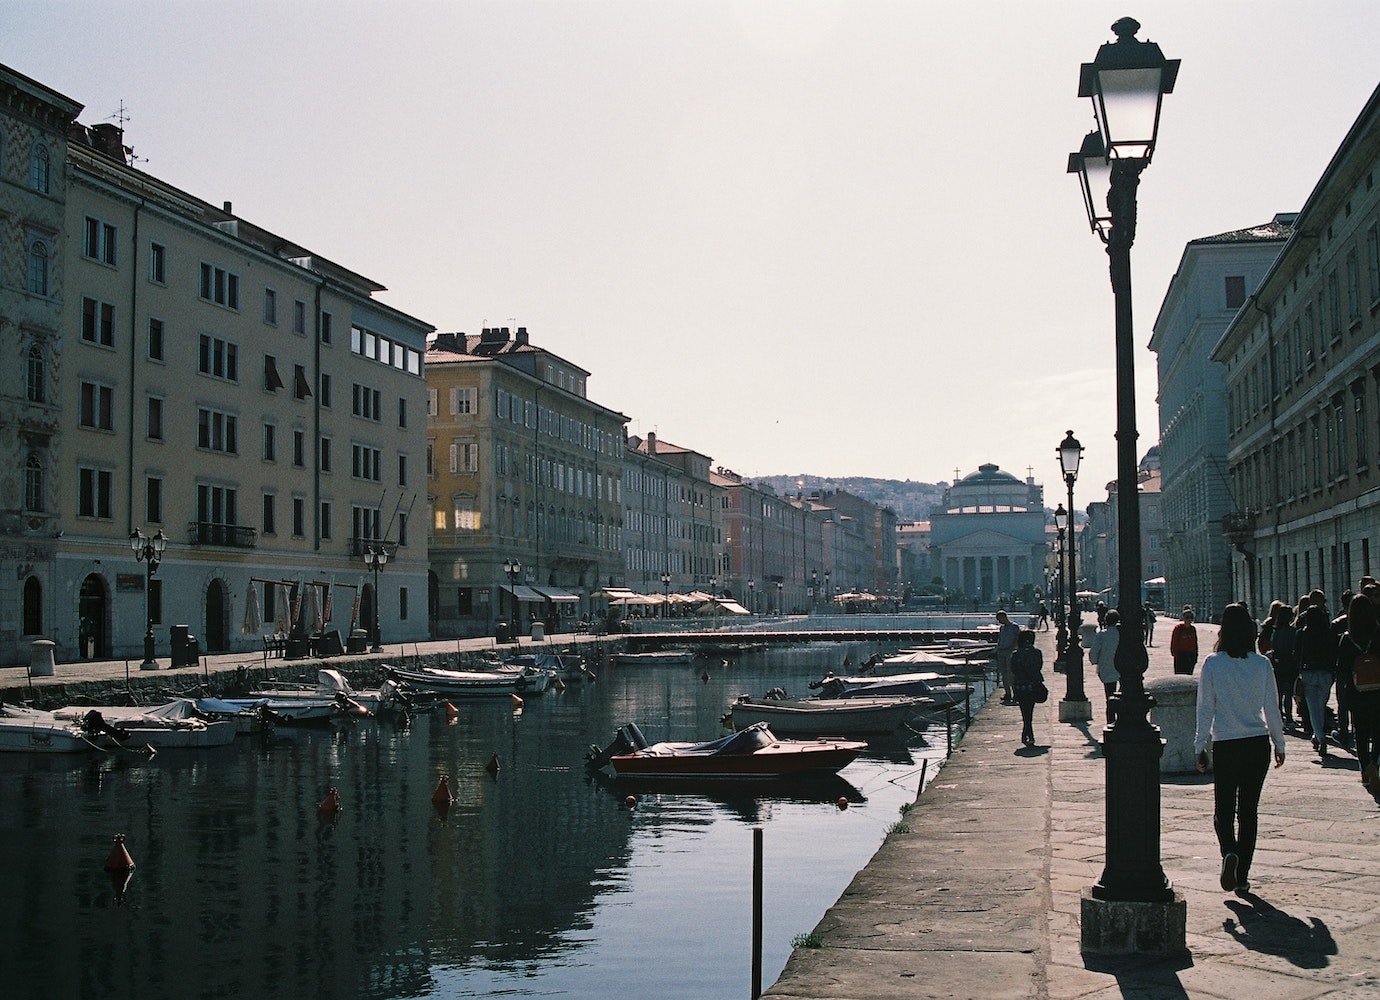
782	759
37	736
826	717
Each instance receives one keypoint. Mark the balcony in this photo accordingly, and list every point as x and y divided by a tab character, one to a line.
224	536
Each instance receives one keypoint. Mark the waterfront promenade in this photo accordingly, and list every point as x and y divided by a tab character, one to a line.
981	897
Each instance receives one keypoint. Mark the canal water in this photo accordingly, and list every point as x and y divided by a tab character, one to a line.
539	881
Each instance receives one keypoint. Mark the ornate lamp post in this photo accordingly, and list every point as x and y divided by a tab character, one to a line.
713	588
828	593
1127	83
512	567
752	596
1075	706
814	589
665	593
149	551
779	588
376	557
1061	634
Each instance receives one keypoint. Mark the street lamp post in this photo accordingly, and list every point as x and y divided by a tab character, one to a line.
512	567
814	589
713	587
780	587
1061	634
1075	707
149	551
665	593
752	596
1127	83
376	557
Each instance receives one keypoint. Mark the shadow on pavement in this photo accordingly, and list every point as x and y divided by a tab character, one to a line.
1144	975
1262	927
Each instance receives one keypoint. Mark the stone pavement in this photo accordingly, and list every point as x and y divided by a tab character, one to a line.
981	897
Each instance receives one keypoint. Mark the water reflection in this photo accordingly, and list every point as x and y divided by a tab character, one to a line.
535	881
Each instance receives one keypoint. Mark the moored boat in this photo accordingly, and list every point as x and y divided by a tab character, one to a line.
754	754
469	683
825	716
568	667
24	730
173	726
671	656
927	685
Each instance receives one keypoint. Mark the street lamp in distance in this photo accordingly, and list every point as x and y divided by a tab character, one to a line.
665	593
1075	707
149	551
512	568
376	557
752	596
780	588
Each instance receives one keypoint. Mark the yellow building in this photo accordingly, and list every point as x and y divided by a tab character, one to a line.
523	485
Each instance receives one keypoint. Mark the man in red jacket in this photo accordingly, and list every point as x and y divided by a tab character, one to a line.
1183	643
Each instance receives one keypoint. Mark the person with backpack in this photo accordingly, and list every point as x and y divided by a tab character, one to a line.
1317	666
1284	657
1358	658
1239	714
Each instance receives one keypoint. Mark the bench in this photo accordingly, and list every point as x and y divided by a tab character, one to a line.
275	645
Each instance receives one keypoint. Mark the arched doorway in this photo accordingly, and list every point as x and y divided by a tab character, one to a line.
33	607
217	618
93	632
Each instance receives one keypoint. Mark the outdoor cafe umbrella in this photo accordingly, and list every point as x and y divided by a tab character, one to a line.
311	610
282	611
253	620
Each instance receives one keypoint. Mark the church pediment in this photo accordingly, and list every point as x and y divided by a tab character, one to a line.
983	542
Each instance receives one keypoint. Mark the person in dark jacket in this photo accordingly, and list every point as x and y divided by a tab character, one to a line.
1362	636
1318	661
1342	734
1284	657
1026	664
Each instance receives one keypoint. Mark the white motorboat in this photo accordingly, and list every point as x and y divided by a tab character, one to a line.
331	686
470	683
927	685
568	667
26	730
173	726
671	656
826	716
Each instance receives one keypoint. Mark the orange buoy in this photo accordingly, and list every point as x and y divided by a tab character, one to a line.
492	765
119	884
330	805
442	795
843	802
517	703
630	801
558	684
452	713
119	859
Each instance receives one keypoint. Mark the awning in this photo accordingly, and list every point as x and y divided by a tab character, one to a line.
733	607
524	593
558	595
614	593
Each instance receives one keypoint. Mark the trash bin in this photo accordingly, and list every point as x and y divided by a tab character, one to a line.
503	632
538	632
185	648
358	642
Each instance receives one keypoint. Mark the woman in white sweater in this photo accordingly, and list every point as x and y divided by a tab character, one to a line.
1238	711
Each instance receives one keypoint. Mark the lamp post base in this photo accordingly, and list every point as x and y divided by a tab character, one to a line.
1071	710
1121	927
149	665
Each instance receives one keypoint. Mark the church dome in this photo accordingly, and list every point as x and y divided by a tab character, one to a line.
990	474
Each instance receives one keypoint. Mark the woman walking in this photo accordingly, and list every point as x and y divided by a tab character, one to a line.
1102	654
1026	663
1360	639
1318	652
1238	711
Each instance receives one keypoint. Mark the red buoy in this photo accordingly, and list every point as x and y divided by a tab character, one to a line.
442	795
119	859
492	765
630	801
843	802
330	805
452	713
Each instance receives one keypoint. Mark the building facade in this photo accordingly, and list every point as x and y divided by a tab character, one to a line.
989	540
524	485
671	515
1303	391
1216	277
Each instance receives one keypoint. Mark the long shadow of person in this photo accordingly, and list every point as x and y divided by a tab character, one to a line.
1269	930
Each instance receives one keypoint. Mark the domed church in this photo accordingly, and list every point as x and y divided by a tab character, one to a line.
990	538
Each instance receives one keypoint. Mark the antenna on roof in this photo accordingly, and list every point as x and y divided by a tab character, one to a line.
121	116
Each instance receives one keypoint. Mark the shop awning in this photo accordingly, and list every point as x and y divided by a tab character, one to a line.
524	593
733	607
614	593
558	595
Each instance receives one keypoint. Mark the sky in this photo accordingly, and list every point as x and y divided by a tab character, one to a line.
825	238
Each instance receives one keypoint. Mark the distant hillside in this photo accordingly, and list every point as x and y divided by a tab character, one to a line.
910	501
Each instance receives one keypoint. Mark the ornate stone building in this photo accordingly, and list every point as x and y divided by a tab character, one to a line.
989	540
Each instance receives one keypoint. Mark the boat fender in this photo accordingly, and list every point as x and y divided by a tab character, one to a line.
330	805
119	860
492	766
442	795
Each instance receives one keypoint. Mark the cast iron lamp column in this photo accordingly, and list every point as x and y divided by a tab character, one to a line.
665	593
512	567
1075	706
376	557
149	551
780	588
1061	635
752	596
1127	83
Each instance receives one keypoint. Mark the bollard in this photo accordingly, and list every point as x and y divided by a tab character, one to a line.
756	912
949	729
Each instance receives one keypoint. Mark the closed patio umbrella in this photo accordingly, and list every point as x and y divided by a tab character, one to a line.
253	619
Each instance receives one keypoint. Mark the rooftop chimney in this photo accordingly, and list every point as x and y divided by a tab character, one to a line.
521	338
651	442
227	208
108	139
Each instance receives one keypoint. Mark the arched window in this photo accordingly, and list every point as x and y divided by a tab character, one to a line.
35	375
38	268
33	607
33	483
40	168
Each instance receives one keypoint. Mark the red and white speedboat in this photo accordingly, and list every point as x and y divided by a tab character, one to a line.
752	754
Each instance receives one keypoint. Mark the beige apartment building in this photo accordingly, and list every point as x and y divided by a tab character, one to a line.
524	489
671	529
245	397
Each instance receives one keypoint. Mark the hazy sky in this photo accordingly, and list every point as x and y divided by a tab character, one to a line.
832	238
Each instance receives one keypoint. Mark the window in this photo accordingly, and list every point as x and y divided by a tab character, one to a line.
95	488
1334	304
325	446
97	322
272	380
98	241
38	268
158	263
40	168
299	316
270	443
270	520
299	517
402	604
216	431
431	402
462	400
365	462
220	286
219	358
1236	291
325	328
325	520
301	387
156	339
34	493
299	449
430	459
402	528
97	409
464	515
270	306
365	521
464	456
402	470
35	375
402	411
1358	399
366	402
1373	260
155	419
1353	285
217	505
324	390
153	500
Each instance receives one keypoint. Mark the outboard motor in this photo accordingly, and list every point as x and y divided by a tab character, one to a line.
777	694
628	739
95	725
